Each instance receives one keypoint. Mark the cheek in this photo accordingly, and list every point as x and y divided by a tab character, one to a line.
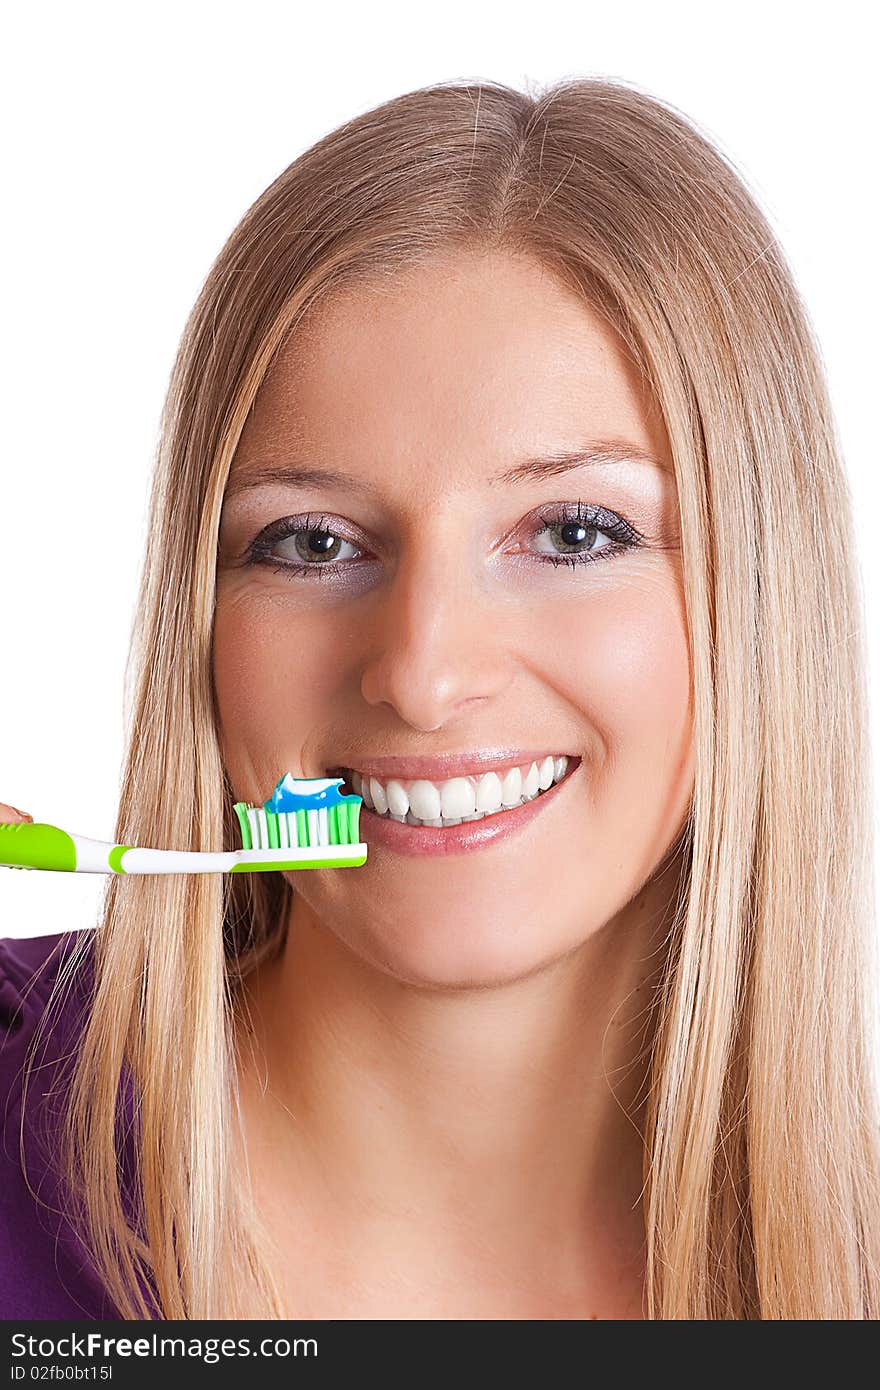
275	680
627	669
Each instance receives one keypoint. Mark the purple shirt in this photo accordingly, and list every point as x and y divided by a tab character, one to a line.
45	1272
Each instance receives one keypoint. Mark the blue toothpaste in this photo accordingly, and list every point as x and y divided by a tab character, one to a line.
307	794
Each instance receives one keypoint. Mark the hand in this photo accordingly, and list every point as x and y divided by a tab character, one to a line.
10	814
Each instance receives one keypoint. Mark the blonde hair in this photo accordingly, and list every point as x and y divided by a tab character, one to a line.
761	1136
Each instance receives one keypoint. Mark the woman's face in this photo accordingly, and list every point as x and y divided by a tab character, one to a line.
437	614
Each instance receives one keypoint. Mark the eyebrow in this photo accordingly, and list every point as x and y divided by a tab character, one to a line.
603	453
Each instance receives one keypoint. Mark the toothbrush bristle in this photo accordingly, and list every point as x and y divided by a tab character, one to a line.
336	824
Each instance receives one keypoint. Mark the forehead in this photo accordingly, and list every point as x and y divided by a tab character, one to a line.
466	355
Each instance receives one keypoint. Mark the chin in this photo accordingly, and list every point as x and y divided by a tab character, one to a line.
425	932
457	954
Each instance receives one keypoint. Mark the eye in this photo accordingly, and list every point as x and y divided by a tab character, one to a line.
306	546
576	532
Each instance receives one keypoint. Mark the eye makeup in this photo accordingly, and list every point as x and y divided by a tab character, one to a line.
575	525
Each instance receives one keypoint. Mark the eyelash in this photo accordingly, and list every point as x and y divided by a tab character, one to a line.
624	535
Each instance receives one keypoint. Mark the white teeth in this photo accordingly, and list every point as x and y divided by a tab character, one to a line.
511	788
398	801
460	799
377	794
457	798
489	792
530	784
424	800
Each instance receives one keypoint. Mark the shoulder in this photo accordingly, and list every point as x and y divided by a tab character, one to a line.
30	968
27	964
44	1273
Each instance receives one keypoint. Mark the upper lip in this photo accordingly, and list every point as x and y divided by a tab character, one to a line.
442	766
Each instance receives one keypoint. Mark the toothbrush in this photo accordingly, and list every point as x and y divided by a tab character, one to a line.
305	824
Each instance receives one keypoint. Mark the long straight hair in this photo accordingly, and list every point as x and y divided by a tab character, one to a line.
762	1170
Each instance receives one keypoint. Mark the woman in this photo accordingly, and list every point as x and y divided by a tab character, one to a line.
526	385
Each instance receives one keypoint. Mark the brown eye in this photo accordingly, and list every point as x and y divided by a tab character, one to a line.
315	546
572	538
303	547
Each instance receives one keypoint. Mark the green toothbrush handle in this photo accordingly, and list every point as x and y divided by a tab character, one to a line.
35	845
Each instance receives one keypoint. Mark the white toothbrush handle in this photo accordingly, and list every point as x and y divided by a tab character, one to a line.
93	857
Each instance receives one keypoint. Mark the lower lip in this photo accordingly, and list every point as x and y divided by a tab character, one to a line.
456	839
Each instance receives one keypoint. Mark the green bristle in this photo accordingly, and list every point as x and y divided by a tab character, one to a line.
342	825
241	809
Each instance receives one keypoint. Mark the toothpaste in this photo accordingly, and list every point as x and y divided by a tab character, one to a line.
306	794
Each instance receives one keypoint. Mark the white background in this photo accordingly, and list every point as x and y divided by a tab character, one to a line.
133	141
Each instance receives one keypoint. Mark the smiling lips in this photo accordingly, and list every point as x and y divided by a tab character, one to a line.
420	801
438	836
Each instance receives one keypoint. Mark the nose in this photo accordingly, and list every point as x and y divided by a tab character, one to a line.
439	646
